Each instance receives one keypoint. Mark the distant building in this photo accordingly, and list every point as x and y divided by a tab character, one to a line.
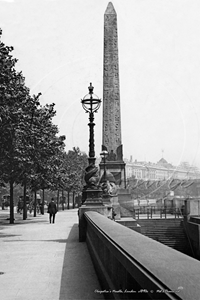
160	170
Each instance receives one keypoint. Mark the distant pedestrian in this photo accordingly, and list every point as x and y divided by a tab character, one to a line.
183	210
52	210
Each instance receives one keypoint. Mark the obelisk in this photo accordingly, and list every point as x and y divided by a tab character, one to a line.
111	137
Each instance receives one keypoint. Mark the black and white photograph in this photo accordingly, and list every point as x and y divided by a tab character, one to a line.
99	149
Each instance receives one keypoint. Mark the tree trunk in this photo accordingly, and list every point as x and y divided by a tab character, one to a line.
24	202
35	203
58	200
11	203
73	199
42	211
63	200
68	200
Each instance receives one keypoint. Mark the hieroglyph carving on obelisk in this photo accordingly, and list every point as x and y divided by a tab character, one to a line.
111	95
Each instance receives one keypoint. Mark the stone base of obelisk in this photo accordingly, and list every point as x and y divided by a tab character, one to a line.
124	195
116	207
107	202
124	198
117	168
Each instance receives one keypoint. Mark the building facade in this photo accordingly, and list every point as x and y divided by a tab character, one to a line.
160	170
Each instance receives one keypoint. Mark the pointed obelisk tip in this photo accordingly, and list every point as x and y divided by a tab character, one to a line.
110	9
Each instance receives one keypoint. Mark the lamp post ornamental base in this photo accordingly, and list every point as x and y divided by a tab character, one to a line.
93	197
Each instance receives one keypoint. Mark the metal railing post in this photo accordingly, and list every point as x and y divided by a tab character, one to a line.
187	234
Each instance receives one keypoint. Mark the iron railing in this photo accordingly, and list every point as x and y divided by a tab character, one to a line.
155	212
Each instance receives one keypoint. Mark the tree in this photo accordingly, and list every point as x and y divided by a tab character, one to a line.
13	94
75	164
70	172
45	147
28	139
31	151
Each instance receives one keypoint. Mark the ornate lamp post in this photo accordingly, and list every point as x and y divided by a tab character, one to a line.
91	104
91	192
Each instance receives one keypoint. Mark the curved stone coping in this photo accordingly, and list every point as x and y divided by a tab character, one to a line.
174	269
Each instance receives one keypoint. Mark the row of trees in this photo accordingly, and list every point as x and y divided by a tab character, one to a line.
31	151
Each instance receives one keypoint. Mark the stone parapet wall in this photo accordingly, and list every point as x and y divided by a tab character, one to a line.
132	266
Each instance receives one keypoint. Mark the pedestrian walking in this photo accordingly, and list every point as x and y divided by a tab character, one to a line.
52	210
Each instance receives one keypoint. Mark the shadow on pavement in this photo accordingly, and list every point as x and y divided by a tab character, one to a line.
2	235
21	222
4	222
78	279
46	241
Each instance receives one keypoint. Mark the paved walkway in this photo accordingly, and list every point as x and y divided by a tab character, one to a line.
40	261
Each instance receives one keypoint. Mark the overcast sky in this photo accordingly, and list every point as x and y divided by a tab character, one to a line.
59	44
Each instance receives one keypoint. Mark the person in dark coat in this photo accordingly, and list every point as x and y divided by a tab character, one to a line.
52	210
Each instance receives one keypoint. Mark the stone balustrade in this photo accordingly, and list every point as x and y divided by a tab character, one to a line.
132	266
